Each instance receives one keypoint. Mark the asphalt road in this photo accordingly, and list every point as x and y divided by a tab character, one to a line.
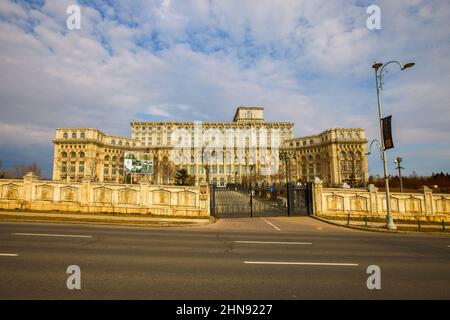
259	258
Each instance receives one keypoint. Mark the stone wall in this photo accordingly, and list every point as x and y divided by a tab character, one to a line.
86	196
340	202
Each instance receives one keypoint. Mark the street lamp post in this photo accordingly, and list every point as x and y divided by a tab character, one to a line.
379	68
398	161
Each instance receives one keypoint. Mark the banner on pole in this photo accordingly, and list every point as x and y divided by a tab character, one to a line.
387	132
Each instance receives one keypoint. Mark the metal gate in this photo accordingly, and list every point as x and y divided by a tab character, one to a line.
239	202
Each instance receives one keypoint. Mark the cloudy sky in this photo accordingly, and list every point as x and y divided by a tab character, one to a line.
304	61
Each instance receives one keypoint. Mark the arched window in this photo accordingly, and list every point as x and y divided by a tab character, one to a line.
106	158
82	135
120	143
65	135
349	136
81	154
64	155
113	141
74	135
73	155
127	144
311	141
341	136
114	158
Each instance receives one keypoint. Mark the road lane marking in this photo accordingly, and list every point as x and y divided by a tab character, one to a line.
52	235
8	254
272	242
336	264
272	224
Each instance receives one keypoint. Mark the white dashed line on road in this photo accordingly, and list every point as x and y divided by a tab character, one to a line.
8	254
272	242
272	224
333	264
52	235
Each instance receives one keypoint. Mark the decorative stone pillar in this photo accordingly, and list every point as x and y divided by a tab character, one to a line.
373	200
28	181
317	196
143	198
204	197
428	197
85	191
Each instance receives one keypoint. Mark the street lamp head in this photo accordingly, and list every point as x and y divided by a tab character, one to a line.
408	65
377	65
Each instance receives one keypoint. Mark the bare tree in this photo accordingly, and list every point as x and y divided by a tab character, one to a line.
21	169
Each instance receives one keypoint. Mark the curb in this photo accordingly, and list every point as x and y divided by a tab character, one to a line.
153	224
379	230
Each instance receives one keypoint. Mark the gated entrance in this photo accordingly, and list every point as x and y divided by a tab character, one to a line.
239	202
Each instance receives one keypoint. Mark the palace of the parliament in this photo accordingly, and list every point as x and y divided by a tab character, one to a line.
246	150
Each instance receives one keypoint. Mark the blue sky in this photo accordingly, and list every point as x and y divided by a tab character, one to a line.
304	61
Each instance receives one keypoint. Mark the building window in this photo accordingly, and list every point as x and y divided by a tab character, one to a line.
81	167
72	167
81	154
64	166
65	135
113	141
73	155
106	158
82	135
106	169
74	135
64	155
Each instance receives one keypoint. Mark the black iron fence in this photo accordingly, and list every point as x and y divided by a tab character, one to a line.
244	201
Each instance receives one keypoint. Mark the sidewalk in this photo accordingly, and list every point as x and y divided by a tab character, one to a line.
380	226
102	218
